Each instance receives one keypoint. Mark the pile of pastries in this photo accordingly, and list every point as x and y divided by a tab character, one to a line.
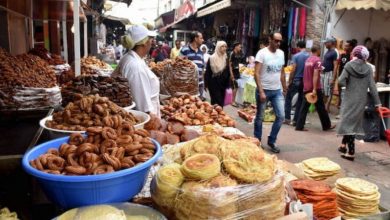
177	76
43	53
26	82
90	111
25	71
104	150
161	67
171	132
91	65
215	178
114	88
320	168
319	194
193	111
357	197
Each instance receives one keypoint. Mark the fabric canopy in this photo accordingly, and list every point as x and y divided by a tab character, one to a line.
363	4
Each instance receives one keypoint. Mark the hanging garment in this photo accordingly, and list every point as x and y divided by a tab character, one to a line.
290	24
302	23
296	16
257	23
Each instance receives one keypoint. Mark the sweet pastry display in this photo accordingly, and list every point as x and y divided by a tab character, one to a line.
27	83
192	111
171	132
90	111
201	167
357	197
43	53
176	76
103	150
91	65
25	71
215	178
320	168
319	194
114	88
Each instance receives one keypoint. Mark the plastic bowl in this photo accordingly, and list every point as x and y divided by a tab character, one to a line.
76	191
141	116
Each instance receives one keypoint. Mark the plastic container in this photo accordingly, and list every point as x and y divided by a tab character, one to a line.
57	133
130	210
141	116
76	191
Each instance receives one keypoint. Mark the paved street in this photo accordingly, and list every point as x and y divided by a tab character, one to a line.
372	160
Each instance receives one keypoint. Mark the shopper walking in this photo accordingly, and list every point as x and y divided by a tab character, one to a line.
143	83
193	53
236	57
205	51
311	83
271	86
176	50
217	74
295	83
357	79
328	76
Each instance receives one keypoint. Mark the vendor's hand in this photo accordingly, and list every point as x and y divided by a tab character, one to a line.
262	96
314	92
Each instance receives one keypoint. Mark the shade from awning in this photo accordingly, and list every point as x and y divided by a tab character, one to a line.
363	4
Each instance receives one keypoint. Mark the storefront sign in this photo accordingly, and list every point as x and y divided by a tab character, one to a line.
215	7
185	10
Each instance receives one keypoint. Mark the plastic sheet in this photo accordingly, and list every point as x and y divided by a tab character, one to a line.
208	201
27	98
229	194
117	211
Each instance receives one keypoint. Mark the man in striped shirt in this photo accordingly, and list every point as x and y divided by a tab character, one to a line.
193	53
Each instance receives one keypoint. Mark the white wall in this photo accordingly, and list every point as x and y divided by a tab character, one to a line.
356	24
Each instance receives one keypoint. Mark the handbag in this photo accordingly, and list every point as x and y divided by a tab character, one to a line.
228	96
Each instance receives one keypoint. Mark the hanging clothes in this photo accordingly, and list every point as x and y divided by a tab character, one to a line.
296	16
257	23
290	24
302	23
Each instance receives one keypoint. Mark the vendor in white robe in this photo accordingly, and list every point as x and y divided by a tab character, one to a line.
143	83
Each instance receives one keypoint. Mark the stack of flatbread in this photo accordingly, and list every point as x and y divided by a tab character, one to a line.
357	197
320	168
319	194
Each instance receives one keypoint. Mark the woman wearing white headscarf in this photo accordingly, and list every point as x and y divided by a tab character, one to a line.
217	74
143	83
206	55
357	78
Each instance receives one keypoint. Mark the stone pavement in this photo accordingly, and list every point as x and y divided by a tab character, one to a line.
372	161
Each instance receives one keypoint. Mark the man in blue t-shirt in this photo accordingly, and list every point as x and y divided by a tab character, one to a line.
193	53
328	76
295	83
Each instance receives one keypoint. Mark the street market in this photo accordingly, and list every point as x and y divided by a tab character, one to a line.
194	109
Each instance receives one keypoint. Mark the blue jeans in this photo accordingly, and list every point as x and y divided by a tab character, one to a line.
295	87
277	101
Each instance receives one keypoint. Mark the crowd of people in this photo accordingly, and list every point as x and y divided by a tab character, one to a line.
311	78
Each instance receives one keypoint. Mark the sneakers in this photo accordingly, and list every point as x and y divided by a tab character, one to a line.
273	147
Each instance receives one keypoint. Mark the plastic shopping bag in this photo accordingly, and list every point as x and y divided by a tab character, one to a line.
228	96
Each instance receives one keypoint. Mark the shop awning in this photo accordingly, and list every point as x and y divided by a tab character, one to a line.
214	7
183	12
363	4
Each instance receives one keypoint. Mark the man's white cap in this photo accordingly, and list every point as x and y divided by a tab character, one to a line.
139	32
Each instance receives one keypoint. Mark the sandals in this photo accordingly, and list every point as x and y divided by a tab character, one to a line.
348	157
234	104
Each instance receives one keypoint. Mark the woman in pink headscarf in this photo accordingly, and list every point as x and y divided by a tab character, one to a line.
357	78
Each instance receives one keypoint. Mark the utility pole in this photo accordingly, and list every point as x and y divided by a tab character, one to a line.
158	8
